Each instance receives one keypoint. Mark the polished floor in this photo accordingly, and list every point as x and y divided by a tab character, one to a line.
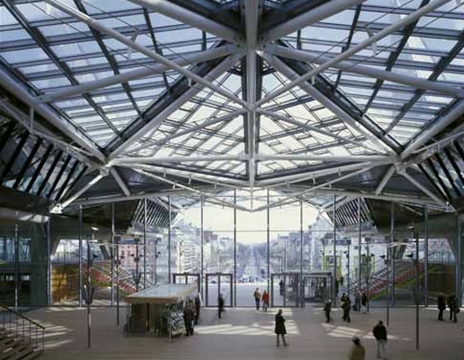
244	333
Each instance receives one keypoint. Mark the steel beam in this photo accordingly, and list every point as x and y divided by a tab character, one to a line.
97	25
154	123
191	18
328	103
19	89
391	170
352	67
145	71
312	189
307	127
120	181
189	130
355	49
423	188
176	159
334	158
60	206
308	18
436	127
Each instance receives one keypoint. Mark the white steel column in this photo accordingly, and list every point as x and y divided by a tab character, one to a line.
251	23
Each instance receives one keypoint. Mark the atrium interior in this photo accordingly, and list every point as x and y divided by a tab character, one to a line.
156	152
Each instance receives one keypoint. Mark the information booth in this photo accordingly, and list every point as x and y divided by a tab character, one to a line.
159	309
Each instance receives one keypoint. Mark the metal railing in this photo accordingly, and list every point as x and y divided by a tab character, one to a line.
22	328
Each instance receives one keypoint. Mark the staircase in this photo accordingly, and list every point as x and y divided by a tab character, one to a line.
101	273
405	273
20	337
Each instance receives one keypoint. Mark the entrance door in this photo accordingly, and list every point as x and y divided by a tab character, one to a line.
186	278
285	290
317	287
217	284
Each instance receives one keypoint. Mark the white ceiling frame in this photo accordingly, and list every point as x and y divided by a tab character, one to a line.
312	189
154	123
145	71
308	18
329	104
97	25
191	18
175	159
189	130
421	187
414	16
120	181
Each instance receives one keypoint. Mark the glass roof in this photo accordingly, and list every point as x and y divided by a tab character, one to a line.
196	94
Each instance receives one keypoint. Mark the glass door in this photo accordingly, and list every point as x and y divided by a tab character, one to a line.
285	290
218	284
186	278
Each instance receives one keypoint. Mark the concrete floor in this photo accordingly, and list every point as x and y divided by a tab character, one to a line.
244	333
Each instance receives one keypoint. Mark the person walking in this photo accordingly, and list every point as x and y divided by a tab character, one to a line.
188	319
327	309
357	352
453	307
257	296
380	334
364	302
280	329
220	305
343	298
441	306
265	300
197	308
357	301
281	287
346	306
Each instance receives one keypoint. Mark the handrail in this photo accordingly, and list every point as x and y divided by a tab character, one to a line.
21	316
22	328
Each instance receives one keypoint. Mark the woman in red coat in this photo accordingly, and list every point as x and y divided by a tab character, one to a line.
265	299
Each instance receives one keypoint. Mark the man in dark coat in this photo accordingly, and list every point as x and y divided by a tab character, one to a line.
380	334
327	309
197	308
188	318
453	307
220	305
346	306
280	328
364	303
441	306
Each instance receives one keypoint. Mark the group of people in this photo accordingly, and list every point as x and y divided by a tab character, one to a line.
264	298
191	314
346	306
453	306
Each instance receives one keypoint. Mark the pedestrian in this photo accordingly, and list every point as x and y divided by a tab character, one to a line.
188	319
380	334
364	302
346	306
342	280
357	352
453	307
357	301
257	296
265	300
197	308
280	329
220	305
441	306
327	309
281	287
